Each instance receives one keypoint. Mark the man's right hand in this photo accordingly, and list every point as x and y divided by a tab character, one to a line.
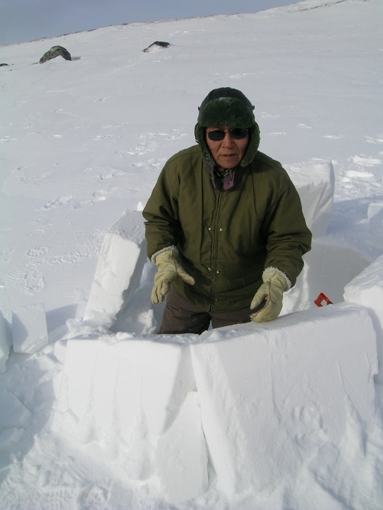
169	268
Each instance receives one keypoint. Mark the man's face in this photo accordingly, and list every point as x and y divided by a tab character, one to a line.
229	151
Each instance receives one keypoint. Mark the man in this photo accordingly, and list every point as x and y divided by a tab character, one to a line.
224	224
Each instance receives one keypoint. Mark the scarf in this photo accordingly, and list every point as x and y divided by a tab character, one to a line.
221	181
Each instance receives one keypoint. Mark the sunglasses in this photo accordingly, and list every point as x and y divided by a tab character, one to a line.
219	134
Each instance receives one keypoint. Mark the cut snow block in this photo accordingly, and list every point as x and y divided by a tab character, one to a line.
367	289
315	182
29	328
125	393
119	266
182	456
5	342
272	395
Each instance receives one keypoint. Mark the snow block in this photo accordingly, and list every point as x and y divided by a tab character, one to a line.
181	457
124	395
366	289
278	394
5	343
315	182
119	266
29	328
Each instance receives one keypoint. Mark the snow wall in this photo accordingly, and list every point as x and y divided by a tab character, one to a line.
240	408
245	407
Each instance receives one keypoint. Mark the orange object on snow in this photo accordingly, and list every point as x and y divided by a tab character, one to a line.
322	298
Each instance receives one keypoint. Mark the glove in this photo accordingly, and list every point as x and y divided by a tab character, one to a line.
271	291
169	269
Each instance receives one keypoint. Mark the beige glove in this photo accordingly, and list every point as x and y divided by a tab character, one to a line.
271	291
169	269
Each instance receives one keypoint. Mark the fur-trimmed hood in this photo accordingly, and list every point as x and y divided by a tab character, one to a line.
227	107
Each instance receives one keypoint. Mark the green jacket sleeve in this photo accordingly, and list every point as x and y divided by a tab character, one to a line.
162	226
288	236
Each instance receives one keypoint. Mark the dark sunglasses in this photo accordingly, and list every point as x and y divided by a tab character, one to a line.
219	134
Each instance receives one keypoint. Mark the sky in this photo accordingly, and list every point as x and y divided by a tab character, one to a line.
28	20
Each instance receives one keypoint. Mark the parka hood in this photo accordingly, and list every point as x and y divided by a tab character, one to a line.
227	107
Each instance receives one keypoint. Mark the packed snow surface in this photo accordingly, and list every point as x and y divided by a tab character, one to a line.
96	410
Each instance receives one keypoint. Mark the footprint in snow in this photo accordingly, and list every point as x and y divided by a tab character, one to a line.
57	202
6	253
31	282
37	252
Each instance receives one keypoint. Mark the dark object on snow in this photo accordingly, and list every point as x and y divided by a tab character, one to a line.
1	65
54	52
162	44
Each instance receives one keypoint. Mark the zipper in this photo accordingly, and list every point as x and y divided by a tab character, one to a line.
214	248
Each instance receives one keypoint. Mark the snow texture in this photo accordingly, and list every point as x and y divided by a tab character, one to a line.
5	343
107	415
29	328
182	459
366	289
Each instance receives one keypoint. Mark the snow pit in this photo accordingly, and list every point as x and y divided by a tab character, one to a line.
119	266
29	328
117	294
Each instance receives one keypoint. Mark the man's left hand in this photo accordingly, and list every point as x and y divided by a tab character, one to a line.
271	291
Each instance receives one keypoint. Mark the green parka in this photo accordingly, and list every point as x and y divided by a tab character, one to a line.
226	238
